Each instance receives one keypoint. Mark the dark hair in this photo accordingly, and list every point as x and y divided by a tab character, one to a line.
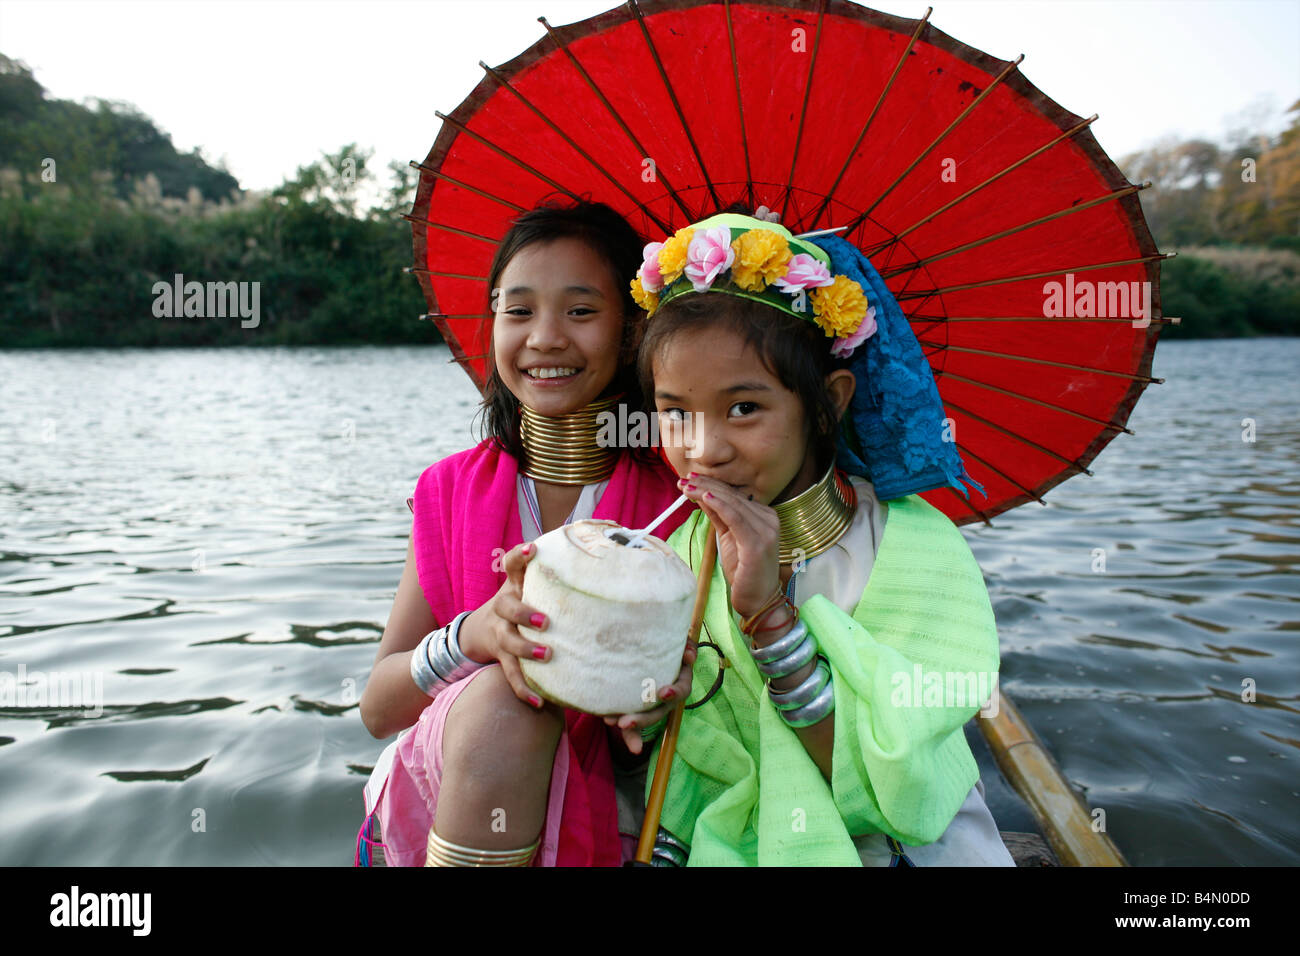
795	350
615	241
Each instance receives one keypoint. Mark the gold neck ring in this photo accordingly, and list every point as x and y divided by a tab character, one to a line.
565	450
811	522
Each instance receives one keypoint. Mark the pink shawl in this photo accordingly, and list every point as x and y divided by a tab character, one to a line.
466	516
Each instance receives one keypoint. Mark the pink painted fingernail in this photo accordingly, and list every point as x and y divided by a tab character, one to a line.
691	488
534	700
539	653
693	474
708	494
538	621
669	693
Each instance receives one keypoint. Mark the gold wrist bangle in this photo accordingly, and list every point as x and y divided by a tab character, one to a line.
442	853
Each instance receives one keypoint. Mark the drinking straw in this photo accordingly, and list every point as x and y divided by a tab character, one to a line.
663	516
659	786
640	535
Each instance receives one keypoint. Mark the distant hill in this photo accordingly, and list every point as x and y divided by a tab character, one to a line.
111	140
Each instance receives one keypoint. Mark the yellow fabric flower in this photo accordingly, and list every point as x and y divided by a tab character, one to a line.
647	300
839	307
672	257
761	259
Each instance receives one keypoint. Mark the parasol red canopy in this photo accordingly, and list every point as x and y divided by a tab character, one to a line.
971	191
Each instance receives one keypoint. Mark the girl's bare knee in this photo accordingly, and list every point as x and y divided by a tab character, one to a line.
489	725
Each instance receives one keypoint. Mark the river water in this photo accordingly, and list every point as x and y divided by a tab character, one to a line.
206	542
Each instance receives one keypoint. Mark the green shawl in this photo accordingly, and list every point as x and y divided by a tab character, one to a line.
743	790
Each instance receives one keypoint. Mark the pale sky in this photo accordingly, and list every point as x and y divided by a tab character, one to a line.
270	84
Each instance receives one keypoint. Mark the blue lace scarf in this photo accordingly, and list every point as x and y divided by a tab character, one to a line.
893	433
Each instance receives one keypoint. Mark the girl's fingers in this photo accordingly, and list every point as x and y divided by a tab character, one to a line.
515	611
738	513
645	718
632	740
516	561
515	677
710	509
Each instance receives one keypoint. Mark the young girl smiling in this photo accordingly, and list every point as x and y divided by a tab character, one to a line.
489	773
828	599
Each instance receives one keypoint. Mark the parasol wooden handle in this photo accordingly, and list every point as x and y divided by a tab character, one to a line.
655	803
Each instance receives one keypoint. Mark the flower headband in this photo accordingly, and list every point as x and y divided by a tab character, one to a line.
758	260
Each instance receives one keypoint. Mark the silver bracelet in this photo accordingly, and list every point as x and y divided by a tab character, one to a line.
453	643
460	665
806	692
821	707
422	673
792	662
781	646
668	850
434	667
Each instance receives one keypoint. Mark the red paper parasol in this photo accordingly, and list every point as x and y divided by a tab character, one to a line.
969	189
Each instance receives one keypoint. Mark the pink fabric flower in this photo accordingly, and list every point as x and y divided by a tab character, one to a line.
709	255
804	272
843	347
651	279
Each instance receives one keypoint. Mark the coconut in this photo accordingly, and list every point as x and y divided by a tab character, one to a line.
617	617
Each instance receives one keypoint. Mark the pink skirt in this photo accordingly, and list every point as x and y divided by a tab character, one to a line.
407	800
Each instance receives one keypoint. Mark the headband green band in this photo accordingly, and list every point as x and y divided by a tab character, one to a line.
753	259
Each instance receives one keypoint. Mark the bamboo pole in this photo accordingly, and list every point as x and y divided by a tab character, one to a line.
655	804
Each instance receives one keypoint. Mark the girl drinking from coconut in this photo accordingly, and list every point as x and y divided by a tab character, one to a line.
490	774
815	423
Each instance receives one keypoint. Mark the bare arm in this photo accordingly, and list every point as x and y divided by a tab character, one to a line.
391	701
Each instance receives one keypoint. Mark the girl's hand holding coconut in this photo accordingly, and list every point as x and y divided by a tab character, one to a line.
492	632
618	608
632	725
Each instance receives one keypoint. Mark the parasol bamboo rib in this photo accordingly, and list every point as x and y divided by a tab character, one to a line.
996	176
848	161
582	72
997	81
999	472
1117	194
940	319
1042	361
967	505
663	766
672	95
452	229
456	182
455	315
578	149
1038	401
803	111
926	293
416	270
507	155
740	106
1020	438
